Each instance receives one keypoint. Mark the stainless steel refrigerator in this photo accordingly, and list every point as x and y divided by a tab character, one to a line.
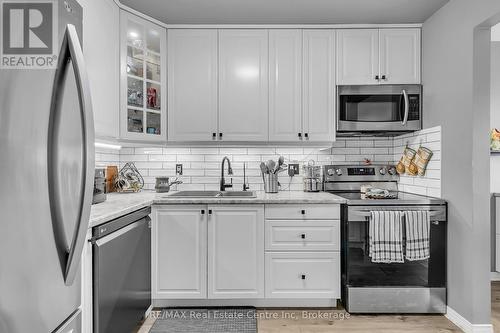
46	183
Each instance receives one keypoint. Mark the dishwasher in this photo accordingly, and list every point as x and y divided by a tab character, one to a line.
121	274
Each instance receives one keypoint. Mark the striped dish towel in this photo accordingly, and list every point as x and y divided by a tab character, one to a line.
417	235
386	236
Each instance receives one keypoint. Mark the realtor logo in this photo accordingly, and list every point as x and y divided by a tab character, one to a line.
28	34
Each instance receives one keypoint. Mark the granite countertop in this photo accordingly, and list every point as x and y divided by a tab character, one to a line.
119	204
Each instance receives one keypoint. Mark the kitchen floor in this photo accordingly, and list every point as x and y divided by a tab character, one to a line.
360	323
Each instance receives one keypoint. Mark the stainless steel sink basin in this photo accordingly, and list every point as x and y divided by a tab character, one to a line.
238	194
212	194
195	194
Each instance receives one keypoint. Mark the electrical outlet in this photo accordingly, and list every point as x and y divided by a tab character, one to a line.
293	169
178	169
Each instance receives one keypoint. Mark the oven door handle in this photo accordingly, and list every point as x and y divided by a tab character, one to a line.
406	101
367	213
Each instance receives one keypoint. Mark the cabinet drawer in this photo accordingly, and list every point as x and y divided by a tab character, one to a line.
306	211
303	275
300	235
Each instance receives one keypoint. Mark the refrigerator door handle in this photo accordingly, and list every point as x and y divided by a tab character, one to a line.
70	256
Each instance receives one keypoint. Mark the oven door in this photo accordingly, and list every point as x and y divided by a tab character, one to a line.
379	108
409	287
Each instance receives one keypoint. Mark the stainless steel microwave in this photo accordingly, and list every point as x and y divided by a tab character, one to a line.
379	109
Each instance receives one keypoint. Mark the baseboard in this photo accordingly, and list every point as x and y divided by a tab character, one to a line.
259	303
465	325
495	276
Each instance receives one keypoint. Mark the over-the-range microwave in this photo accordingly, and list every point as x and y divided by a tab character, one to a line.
382	110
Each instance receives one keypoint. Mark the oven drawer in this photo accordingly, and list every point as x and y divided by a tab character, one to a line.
299	235
303	275
303	212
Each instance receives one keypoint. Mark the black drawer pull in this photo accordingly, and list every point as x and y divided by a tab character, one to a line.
303	236
220	135
306	135
303	276
202	212
214	135
303	212
209	212
300	135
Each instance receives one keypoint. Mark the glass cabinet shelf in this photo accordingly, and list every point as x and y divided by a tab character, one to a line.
143	79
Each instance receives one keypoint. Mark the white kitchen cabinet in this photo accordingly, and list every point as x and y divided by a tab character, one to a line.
101	49
303	275
357	56
319	85
179	252
143	94
285	85
192	84
400	56
236	251
378	56
243	85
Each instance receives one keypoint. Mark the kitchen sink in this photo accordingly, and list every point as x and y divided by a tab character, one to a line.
212	194
195	194
238	194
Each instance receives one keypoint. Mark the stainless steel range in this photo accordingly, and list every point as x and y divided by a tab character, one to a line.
367	287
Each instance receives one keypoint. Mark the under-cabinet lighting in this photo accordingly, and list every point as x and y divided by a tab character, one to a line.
107	146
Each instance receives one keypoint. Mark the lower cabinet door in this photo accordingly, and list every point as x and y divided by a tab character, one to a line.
236	251
303	275
179	252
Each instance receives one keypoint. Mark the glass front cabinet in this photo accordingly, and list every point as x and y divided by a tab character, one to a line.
143	104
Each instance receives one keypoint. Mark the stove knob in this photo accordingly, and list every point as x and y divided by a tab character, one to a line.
383	171
331	172
392	171
338	172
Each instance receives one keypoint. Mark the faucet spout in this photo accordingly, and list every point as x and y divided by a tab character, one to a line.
223	184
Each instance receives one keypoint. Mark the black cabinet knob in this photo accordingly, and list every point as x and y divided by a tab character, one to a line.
202	212
209	212
214	135
303	236
300	135
303	276
303	212
306	135
220	135
383	77
377	77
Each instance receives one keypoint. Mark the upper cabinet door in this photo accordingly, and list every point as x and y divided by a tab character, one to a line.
143	79
285	85
192	84
319	85
358	56
101	29
243	85
400	56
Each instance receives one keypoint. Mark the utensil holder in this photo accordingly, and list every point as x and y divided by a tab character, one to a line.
271	183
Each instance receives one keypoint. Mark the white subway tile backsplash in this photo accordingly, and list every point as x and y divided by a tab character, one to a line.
201	165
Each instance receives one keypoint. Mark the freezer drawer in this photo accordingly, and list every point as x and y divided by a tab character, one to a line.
122	277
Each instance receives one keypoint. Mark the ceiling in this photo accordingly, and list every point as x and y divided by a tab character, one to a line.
287	11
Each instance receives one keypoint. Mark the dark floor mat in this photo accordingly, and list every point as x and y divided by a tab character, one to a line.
211	320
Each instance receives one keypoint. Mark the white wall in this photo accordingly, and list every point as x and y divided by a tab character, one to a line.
452	100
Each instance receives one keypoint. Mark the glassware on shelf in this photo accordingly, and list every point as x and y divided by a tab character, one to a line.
135	95
153	123
135	120
153	67
135	61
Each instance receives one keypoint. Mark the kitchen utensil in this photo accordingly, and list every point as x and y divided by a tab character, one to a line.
281	161
163	185
271	165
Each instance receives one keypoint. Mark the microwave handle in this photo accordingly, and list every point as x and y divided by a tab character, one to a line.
406	102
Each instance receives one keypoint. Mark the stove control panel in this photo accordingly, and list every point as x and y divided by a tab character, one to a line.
357	173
